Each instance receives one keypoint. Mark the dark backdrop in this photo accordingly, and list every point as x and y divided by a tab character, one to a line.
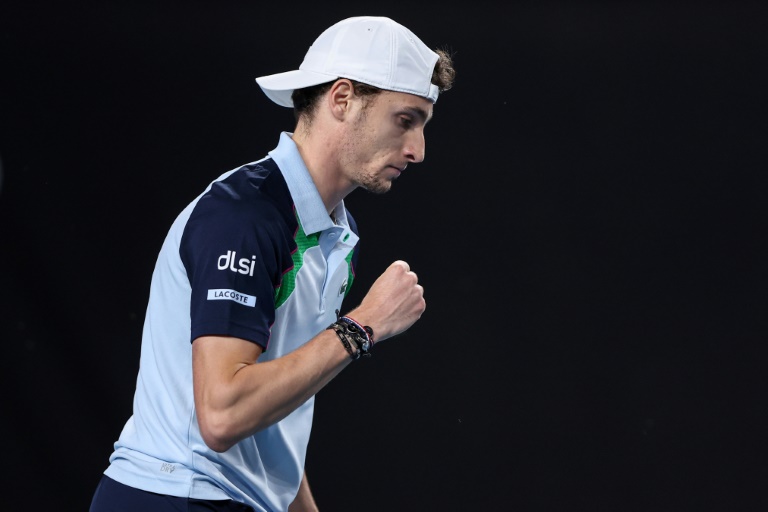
589	226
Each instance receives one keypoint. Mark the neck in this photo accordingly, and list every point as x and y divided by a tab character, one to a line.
320	156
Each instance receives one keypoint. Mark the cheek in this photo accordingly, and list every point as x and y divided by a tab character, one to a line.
370	145
384	141
366	144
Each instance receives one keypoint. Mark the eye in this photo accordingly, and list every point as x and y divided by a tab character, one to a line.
406	121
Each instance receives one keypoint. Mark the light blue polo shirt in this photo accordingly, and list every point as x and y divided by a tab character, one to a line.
255	256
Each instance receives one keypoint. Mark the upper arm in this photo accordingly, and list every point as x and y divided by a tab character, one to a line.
215	362
217	357
235	248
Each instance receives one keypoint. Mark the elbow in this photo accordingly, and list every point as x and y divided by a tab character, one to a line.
216	432
219	445
220	431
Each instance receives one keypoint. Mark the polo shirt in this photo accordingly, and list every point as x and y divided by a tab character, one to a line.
254	256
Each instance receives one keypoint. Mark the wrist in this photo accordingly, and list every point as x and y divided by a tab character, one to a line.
364	332
367	317
356	338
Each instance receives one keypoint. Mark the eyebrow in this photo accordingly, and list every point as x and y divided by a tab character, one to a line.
417	112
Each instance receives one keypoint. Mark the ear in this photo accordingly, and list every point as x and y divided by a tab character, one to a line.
340	97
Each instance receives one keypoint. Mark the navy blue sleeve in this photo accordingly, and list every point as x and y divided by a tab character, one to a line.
236	246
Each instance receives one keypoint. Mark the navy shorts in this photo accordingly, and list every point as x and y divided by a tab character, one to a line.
112	496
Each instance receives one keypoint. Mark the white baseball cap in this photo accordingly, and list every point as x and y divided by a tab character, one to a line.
374	50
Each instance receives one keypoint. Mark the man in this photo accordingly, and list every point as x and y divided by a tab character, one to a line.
243	327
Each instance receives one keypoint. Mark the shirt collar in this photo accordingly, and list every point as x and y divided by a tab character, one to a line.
306	198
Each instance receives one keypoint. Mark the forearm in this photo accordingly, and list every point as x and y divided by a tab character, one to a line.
267	392
235	401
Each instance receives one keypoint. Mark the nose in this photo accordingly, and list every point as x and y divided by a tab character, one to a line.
415	147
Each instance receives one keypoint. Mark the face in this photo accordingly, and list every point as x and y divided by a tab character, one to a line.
383	138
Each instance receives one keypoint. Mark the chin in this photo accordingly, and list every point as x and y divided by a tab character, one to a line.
379	188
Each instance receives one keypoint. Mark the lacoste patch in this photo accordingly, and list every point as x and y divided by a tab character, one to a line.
233	295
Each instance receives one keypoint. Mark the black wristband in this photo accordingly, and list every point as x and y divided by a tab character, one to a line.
354	354
365	330
356	343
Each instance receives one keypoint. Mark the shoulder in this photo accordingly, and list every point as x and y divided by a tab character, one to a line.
256	191
251	202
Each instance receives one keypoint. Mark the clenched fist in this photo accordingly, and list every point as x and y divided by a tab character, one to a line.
393	304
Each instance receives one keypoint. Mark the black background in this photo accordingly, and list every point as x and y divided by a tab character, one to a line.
589	226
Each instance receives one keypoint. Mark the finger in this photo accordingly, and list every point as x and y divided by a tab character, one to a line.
403	264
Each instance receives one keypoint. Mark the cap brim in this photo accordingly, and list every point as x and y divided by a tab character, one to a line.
280	86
